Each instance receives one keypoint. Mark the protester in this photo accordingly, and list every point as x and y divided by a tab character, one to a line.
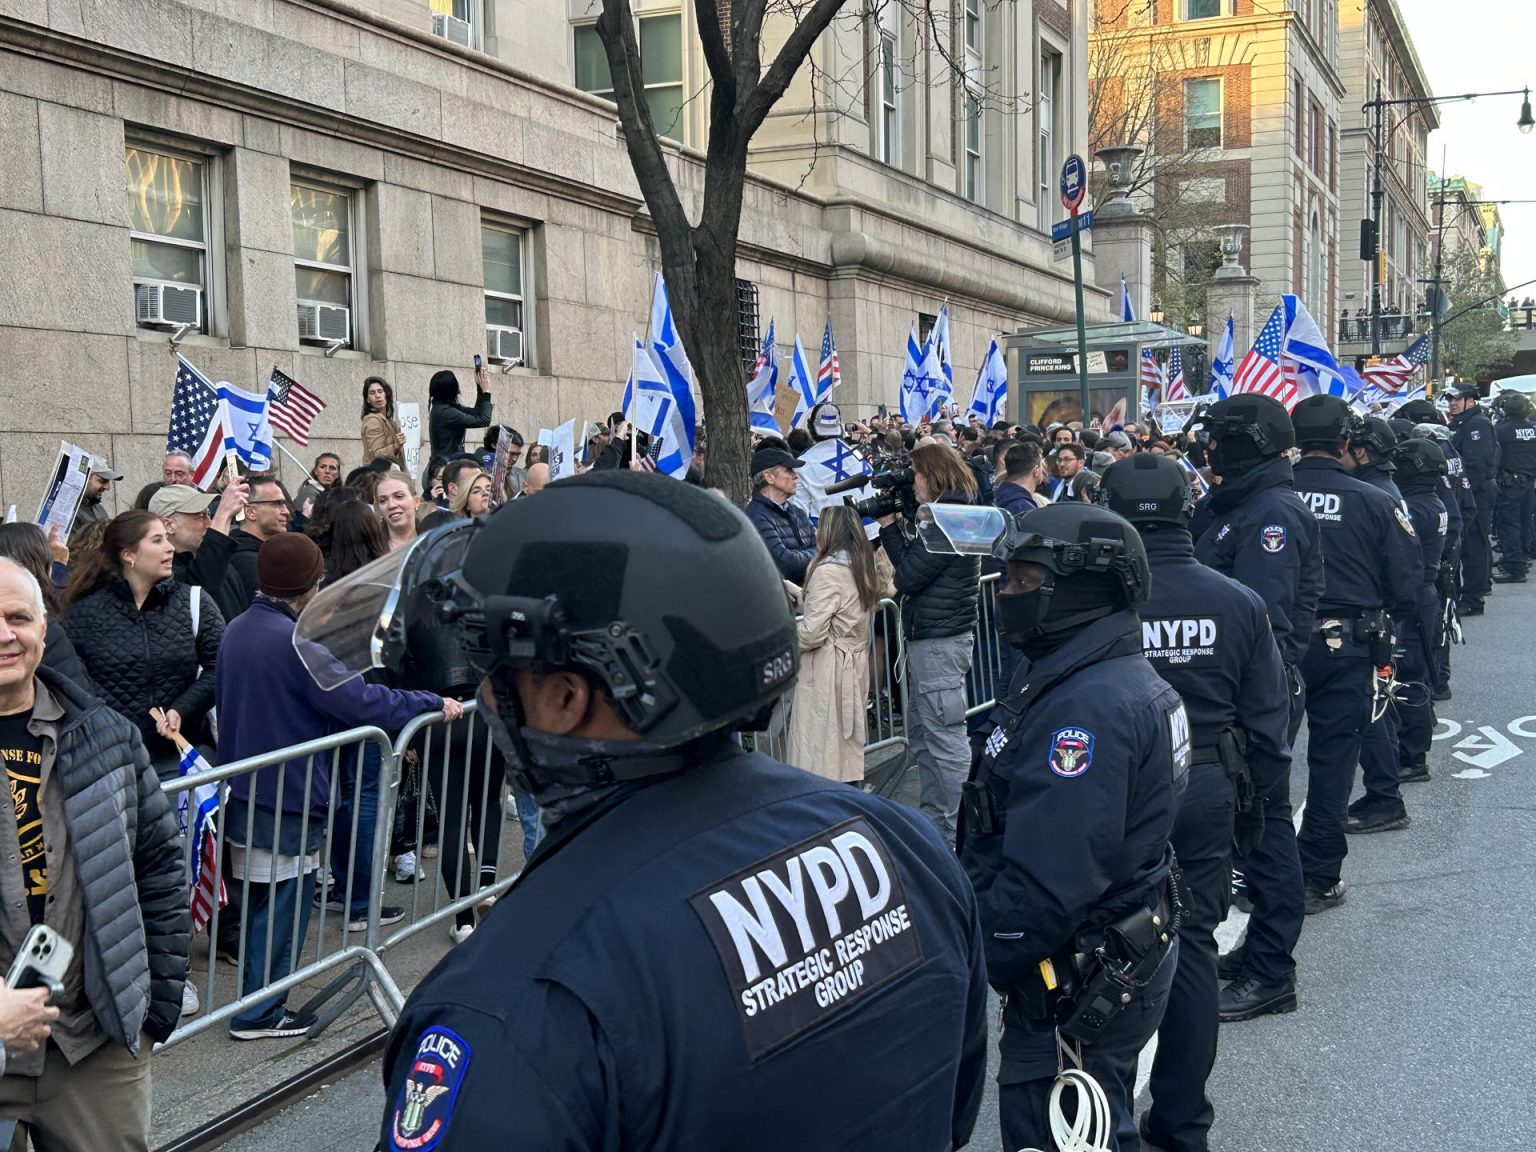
324	477
97	485
447	419
204	549
356	537
842	590
784	526
1021	474
25	545
146	640
177	469
395	502
382	438
323	515
1069	459
535	479
145	495
25	1016
432	481
100	861
457	474
267	514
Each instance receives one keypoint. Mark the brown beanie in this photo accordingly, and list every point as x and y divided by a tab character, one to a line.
289	565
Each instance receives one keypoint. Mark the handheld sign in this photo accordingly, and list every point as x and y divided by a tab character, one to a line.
1074	183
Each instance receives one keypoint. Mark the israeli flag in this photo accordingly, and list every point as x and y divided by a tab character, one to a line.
914	384
764	385
804	383
990	394
941	389
667	346
1127	313
1317	372
247	430
1222	366
829	462
653	409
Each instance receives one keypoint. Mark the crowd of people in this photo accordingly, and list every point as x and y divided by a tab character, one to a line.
1344	546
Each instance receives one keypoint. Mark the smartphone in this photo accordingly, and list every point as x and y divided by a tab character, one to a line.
478	362
42	962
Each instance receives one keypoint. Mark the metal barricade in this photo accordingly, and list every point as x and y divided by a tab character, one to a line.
989	666
268	851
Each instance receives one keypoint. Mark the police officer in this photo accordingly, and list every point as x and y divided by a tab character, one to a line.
1373	568
698	918
1473	438
1370	446
1209	637
1516	435
1066	821
1262	535
1460	509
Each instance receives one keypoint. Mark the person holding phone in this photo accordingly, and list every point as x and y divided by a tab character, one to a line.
447	419
25	1016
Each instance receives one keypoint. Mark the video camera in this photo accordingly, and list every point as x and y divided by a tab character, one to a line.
893	493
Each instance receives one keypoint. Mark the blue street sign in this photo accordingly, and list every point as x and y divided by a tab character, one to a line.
1074	182
1062	229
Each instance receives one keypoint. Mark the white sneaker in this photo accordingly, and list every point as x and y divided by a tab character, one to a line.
190	1004
459	933
407	871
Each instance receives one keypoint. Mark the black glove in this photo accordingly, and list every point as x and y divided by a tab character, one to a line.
1248	828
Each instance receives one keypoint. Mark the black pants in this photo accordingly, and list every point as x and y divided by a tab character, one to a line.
1028	1066
1476	537
466	776
1338	711
1512	516
1181	1113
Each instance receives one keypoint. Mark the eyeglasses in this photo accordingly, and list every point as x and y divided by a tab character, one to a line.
254	503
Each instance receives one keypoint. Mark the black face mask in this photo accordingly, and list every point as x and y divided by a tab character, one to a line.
1043	619
1229	457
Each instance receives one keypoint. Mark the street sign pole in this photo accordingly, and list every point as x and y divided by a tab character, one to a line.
1074	185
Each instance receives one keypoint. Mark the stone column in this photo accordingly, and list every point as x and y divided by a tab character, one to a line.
1231	290
1122	236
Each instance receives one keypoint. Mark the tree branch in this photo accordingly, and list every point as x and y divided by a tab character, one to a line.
717	56
796	47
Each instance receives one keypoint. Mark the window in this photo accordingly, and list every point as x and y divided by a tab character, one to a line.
1202	113
502	250
168	230
1048	161
1315	138
890	127
1202	9
748	337
661	69
925	325
456	20
972	178
973	26
1301	135
324	261
1315	262
1333	156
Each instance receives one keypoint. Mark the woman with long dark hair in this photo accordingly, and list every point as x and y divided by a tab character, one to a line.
28	547
356	538
382	438
146	640
842	591
447	419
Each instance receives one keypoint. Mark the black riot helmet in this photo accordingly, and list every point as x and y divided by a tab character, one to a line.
1147	489
1420	411
1512	406
1436	432
1242	431
1420	464
1095	566
1375	436
1323	422
1401	427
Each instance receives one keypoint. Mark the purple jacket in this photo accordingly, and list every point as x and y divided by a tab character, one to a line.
268	700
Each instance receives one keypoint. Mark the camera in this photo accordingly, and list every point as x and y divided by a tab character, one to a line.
893	493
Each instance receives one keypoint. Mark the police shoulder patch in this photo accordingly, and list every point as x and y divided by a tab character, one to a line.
425	1104
1402	520
1273	537
1071	751
1179	739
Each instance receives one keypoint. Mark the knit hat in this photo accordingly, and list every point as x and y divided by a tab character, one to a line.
289	565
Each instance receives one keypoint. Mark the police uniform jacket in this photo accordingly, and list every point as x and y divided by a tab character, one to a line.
1379	476
1209	637
1084	768
1474	441
1430	522
1517	447
1261	535
1373	552
739	955
1456	493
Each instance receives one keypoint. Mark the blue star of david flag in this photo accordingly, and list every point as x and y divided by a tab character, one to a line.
247	430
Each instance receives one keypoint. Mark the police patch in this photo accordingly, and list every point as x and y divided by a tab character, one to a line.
425	1103
1273	538
806	932
996	741
1403	521
1071	751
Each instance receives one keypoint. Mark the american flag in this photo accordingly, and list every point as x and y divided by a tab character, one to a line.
1390	376
196	808
828	374
1176	389
1260	370
1151	375
197	423
291	407
648	458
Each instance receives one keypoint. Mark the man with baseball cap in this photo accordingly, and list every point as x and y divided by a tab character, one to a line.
783	525
203	546
100	480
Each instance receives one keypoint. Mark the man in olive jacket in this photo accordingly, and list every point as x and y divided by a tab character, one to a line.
89	847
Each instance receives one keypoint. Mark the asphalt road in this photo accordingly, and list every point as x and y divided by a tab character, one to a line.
1415	1031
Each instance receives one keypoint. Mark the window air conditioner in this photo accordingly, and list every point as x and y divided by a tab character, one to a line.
504	345
322	323
168	305
451	28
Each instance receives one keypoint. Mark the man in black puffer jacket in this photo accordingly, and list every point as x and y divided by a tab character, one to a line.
100	864
782	524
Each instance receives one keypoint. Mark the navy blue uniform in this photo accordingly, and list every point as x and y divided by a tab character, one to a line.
1416	714
1461	511
1473	438
736	956
1379	751
1512	510
1209	637
1374	566
1084	771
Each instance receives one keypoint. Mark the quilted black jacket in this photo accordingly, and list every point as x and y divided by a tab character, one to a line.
938	592
128	861
787	531
148	658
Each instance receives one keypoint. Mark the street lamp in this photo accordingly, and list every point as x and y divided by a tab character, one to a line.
1156	315
1195	328
1371	230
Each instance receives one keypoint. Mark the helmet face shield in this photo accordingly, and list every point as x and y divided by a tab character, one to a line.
963	529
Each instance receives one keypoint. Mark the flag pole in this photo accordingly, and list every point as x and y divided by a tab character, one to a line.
278	444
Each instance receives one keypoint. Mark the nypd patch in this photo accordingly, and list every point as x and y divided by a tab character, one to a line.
996	741
1071	751
425	1104
1403	522
1273	538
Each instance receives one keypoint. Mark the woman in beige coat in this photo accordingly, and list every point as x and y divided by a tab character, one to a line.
842	590
381	434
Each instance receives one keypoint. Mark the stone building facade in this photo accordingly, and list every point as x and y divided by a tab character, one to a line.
351	168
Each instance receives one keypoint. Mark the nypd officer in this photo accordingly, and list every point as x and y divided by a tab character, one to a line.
1374	568
1262	535
1065	823
698	918
1460	509
1209	637
1516	434
1371	441
1473	438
